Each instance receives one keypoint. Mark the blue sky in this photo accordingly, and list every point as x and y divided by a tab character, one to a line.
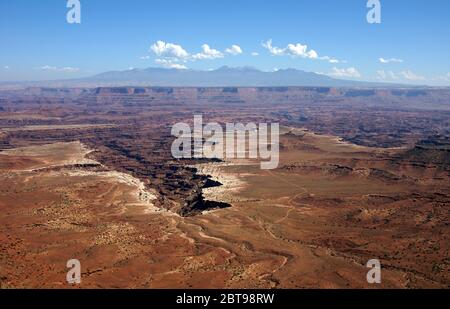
37	43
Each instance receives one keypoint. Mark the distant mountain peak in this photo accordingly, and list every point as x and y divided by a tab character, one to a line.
238	69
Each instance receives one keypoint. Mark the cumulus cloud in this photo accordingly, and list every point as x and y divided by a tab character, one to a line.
254	54
208	53
234	50
296	50
171	64
161	48
331	60
345	72
390	60
276	51
172	55
177	66
58	69
301	51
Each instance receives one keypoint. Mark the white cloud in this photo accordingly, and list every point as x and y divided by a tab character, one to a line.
331	60
48	68
396	60
254	54
296	50
173	51
208	53
178	66
301	51
57	69
405	76
408	75
69	69
171	64
171	55
234	50
386	75
273	50
164	49
348	72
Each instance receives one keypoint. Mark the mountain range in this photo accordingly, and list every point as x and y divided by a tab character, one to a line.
222	77
225	77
